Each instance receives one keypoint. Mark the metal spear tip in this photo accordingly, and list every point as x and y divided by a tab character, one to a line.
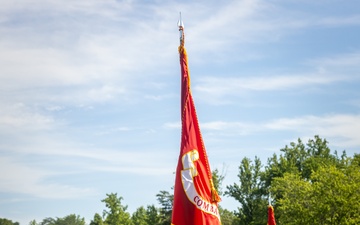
180	23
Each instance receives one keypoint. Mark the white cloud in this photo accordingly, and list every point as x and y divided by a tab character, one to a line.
220	24
342	61
340	21
235	25
326	71
236	128
172	125
19	117
19	178
214	90
270	83
60	149
106	8
343	128
62	157
105	93
95	49
79	51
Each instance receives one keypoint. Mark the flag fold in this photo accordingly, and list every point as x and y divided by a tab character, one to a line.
271	216
195	197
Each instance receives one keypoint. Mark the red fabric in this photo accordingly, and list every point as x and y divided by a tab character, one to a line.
194	210
271	216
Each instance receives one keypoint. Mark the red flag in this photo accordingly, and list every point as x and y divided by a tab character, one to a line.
271	216
195	198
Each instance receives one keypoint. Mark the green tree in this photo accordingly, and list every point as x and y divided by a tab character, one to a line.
217	180
71	219
290	161
48	221
116	213
152	215
4	221
300	189
97	220
227	217
165	200
301	158
250	193
330	197
33	222
139	217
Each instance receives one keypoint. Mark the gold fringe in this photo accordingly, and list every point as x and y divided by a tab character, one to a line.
214	195
181	49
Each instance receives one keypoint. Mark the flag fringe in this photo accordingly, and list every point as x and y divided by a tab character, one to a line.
214	195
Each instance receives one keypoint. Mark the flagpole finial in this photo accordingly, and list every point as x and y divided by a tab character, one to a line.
181	30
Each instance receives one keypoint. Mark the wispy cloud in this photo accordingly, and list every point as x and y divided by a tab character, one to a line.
233	26
66	45
57	156
214	90
326	71
271	83
340	21
341	127
351	60
19	178
58	146
91	60
19	117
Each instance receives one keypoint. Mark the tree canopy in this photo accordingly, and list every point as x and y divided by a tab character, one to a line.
308	183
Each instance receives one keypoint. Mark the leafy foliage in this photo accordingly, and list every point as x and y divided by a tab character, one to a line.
97	220
71	219
309	184
116	213
217	180
227	217
249	193
165	199
139	217
330	197
4	221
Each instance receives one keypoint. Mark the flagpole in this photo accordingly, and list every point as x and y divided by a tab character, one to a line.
195	197
269	199
271	216
181	30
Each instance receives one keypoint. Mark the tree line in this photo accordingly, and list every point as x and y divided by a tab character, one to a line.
305	183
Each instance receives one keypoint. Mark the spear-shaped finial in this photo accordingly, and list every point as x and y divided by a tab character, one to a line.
181	30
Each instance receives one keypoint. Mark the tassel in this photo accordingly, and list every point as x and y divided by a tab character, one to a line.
214	195
181	49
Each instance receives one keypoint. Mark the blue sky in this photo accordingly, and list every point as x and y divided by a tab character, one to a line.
90	93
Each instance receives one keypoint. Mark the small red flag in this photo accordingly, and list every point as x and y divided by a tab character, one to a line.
195	198
271	216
